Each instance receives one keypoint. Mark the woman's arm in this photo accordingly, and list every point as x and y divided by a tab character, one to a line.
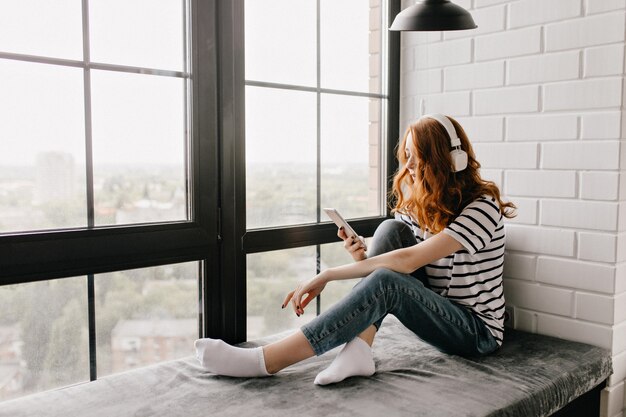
353	246
404	260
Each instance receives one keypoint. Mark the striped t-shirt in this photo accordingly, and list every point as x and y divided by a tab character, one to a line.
472	277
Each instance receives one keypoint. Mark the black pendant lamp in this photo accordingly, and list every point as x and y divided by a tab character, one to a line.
433	15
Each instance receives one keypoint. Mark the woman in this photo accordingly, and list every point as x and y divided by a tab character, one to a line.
437	267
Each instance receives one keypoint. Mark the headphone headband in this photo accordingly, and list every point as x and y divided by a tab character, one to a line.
447	124
458	156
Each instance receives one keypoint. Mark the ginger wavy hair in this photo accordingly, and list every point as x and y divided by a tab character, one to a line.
438	194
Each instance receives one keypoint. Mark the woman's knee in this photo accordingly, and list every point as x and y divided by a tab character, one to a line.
381	278
389	235
390	226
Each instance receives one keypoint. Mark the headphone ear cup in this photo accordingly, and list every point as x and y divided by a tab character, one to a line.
459	160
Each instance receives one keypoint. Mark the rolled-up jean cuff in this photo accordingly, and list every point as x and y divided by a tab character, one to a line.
314	344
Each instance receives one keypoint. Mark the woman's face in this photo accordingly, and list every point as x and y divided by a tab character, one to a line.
411	159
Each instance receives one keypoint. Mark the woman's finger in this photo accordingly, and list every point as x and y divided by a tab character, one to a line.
342	233
297	299
306	301
293	304
355	245
287	298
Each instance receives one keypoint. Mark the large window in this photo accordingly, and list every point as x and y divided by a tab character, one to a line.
154	187
93	121
317	95
142	317
104	236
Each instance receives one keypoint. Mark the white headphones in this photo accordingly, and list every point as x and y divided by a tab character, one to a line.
458	156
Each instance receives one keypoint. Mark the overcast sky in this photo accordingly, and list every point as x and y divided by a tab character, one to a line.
139	118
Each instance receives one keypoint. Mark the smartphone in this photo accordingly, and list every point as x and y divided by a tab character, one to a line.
341	222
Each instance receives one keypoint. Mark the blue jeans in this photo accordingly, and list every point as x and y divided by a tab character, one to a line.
442	323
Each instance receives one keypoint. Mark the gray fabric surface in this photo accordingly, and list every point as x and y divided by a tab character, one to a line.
530	375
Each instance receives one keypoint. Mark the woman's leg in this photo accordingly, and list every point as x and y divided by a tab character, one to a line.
356	357
389	235
218	357
433	318
286	352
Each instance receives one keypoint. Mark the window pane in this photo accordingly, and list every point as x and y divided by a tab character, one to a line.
281	41
145	316
331	255
42	27
281	155
42	152
351	162
137	32
44	338
271	276
351	50
138	148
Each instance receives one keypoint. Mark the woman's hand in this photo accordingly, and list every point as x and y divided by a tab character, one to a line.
352	245
312	288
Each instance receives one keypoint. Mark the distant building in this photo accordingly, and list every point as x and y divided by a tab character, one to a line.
10	344
11	381
144	210
136	343
54	177
12	368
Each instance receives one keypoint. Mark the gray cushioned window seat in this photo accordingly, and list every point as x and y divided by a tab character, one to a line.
530	375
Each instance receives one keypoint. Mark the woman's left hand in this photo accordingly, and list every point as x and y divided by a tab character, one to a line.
312	288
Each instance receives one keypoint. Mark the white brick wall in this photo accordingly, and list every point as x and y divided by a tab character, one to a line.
585	94
579	214
576	274
489	20
595	307
506	100
507	155
466	77
604	125
540	240
508	43
539	89
577	330
443	54
581	155
604	60
595	6
543	68
539	297
531	12
600	247
449	103
540	183
558	127
587	31
483	129
527	210
599	185
520	266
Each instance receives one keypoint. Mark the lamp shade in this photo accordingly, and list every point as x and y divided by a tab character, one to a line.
433	15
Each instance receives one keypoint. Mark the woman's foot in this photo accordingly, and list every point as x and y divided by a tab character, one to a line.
355	359
223	359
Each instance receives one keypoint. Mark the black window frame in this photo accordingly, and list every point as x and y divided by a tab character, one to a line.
56	254
216	236
237	241
44	255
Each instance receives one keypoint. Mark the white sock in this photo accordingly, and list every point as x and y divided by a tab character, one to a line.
355	359
223	359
